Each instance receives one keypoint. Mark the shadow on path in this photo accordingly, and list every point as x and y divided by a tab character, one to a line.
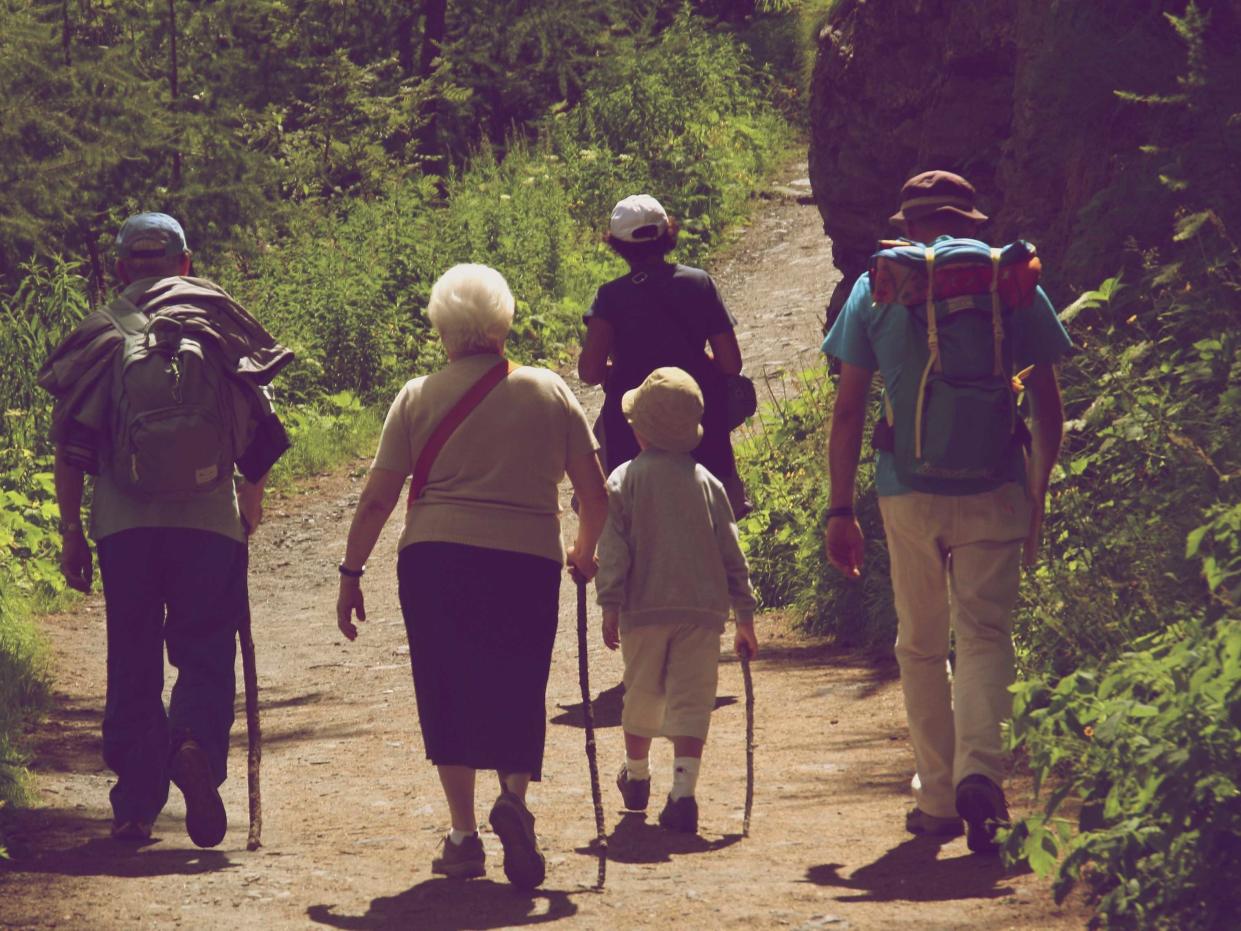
914	872
449	904
635	841
607	706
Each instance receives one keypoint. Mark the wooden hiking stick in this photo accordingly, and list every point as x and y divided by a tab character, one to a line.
583	675
749	742
254	734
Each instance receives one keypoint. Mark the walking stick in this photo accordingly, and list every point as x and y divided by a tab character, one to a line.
583	675
749	742
254	733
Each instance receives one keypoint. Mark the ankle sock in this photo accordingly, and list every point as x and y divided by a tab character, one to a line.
458	836
684	776
638	769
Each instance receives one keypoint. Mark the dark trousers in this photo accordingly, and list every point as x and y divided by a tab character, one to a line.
186	588
481	625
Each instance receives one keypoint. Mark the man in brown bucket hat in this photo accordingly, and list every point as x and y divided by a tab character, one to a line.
936	193
955	538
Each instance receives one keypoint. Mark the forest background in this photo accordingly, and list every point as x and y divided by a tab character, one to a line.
329	159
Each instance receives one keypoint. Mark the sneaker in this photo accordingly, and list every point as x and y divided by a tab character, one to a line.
131	831
919	822
461	861
680	815
981	803
205	819
523	861
635	792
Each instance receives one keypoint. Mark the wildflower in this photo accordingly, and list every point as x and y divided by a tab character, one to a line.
506	197
1088	732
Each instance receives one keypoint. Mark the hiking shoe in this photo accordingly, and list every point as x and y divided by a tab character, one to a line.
680	815
981	803
131	831
461	861
635	792
205	819
523	861
919	822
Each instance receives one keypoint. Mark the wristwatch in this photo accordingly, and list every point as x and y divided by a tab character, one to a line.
845	511
351	573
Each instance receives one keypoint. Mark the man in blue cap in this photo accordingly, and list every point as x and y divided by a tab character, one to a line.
159	397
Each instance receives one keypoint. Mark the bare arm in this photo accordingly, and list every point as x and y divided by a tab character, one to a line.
1047	422
843	535
592	495
75	558
725	352
379	497
592	364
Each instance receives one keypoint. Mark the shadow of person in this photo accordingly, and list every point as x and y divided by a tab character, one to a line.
103	856
914	871
635	841
451	904
607	707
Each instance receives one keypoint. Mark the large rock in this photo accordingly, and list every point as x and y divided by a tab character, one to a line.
1016	95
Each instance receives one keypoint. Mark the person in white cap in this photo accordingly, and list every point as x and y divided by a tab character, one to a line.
660	314
670	568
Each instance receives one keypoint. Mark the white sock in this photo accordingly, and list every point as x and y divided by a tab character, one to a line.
638	769
458	836
684	776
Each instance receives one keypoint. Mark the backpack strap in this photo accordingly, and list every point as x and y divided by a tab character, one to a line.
126	317
448	424
932	345
997	319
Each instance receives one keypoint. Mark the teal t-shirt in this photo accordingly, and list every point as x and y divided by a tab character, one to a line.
872	336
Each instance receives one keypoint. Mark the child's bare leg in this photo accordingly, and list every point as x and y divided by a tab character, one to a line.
688	746
458	783
637	748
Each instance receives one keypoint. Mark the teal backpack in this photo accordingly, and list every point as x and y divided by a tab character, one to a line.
171	436
952	424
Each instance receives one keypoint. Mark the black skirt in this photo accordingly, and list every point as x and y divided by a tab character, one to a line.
481	625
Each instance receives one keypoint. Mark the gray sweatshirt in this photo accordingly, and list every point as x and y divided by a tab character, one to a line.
669	553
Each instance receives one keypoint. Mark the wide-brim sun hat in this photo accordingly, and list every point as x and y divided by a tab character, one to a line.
638	218
666	409
937	192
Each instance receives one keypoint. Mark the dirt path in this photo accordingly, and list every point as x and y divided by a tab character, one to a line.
353	813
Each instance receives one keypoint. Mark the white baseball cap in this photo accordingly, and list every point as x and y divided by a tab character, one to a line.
638	218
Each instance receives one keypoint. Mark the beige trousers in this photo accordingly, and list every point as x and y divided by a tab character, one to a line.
671	674
956	563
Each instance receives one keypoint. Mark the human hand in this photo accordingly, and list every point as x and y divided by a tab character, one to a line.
744	641
844	545
611	628
250	503
583	568
76	564
348	602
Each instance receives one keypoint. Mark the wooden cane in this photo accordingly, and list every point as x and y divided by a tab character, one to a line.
749	742
583	675
254	733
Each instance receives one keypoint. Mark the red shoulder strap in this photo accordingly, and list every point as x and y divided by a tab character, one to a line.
448	425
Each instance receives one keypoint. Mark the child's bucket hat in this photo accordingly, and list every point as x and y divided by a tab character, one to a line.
666	409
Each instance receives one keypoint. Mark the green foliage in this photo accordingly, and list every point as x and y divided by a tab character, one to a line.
782	460
324	434
1150	746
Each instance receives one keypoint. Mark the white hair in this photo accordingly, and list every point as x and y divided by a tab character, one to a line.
471	308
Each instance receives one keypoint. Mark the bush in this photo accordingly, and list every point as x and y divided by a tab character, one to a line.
782	460
1151	746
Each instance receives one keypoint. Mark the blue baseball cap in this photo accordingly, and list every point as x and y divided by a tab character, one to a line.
150	236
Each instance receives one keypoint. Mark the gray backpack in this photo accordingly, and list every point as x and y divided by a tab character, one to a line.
171	436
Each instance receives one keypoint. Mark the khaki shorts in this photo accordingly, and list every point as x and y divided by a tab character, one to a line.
671	672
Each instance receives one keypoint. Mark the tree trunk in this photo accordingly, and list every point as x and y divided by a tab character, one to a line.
172	86
435	23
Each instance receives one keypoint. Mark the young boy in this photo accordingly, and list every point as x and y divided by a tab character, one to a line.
669	568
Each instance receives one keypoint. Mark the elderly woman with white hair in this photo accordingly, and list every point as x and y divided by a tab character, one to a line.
480	559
